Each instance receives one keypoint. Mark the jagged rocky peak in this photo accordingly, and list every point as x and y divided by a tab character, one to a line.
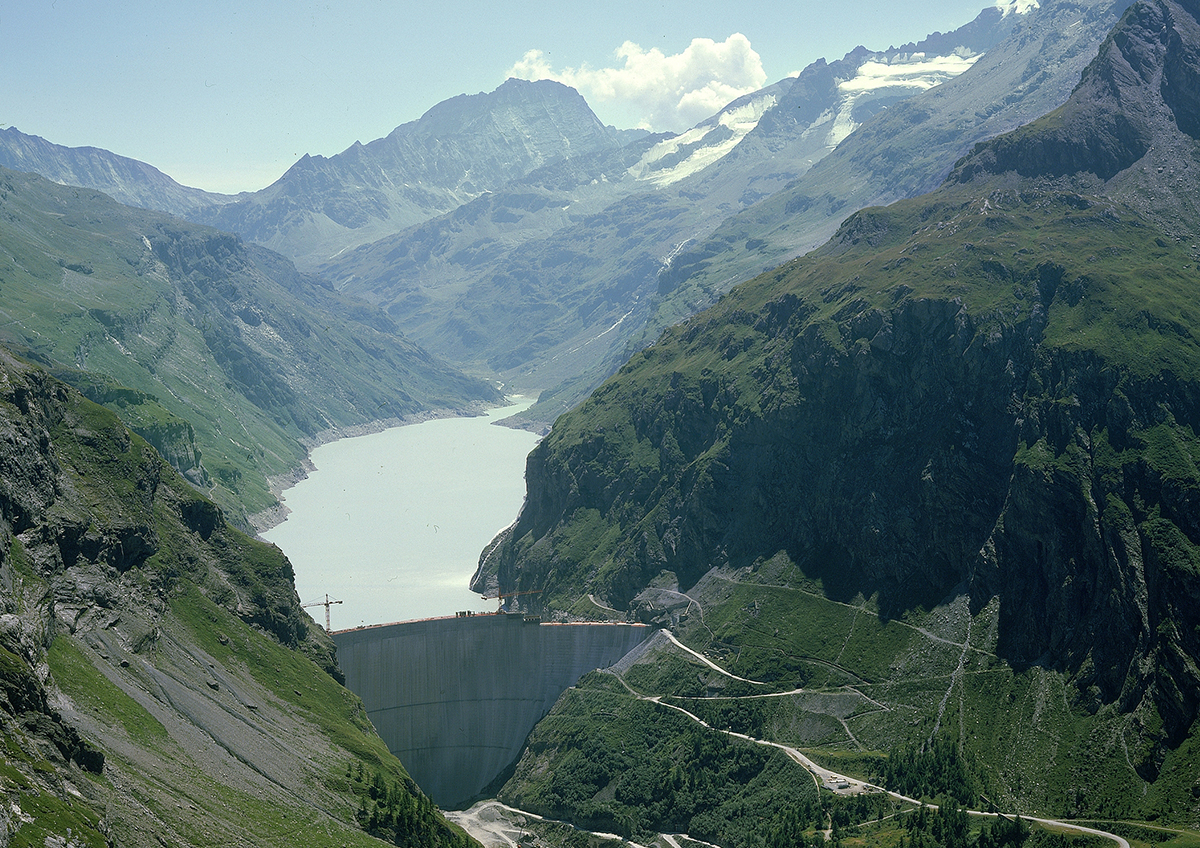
532	122
520	104
453	153
1133	118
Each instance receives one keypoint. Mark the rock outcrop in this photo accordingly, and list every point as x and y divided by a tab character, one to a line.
159	683
1129	130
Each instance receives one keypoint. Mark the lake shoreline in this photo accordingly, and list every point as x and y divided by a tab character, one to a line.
391	519
273	516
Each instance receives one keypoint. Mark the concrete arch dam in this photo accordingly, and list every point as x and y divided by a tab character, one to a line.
455	698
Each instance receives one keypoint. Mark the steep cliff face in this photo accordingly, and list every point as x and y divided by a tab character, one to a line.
159	683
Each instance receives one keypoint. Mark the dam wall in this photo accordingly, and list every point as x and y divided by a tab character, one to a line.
454	698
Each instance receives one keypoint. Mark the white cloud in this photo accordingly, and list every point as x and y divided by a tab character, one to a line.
656	91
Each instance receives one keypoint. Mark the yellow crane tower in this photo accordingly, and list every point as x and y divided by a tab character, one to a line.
500	596
327	603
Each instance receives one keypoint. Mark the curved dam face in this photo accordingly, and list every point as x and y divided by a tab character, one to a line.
454	698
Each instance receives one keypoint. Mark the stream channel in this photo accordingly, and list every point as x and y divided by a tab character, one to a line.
392	523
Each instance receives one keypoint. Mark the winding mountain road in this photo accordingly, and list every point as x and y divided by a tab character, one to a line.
839	783
487	821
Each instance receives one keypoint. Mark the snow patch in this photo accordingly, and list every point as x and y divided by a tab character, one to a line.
739	121
910	70
1017	7
905	74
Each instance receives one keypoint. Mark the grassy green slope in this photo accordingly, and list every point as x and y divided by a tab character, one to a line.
989	395
930	494
255	356
1040	274
189	700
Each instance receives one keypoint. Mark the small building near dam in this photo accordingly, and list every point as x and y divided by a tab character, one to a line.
455	698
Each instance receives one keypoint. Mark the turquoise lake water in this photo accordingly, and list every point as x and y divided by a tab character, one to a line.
392	523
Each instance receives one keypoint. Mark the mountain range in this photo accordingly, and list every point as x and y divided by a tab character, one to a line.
516	236
919	505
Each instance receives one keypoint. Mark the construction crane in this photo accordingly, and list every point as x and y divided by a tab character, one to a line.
500	596
327	603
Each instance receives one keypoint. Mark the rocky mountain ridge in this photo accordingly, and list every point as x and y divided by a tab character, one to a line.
455	152
1128	131
125	180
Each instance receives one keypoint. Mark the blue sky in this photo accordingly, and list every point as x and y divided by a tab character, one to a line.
227	95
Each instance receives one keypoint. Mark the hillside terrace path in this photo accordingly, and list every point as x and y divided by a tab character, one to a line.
928	634
486	821
833	781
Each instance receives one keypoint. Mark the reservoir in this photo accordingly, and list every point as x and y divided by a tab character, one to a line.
392	523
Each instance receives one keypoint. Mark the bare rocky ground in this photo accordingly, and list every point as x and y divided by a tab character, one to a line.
201	752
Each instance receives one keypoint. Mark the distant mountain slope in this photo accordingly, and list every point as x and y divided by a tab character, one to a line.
903	152
547	278
972	413
455	152
159	682
125	180
228	337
